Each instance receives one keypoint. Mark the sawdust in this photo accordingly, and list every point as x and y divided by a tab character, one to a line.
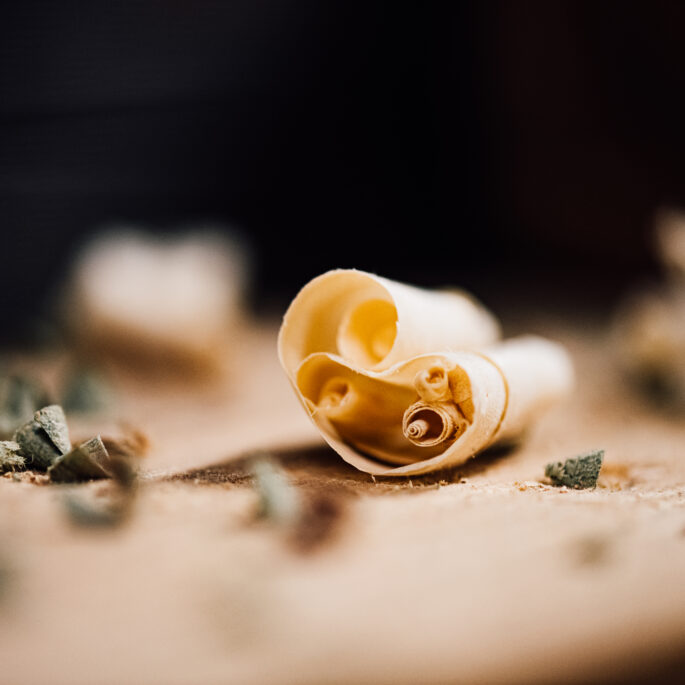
32	477
616	476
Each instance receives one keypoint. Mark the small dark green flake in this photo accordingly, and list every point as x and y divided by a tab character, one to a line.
579	473
89	514
112	511
52	420
85	462
36	446
44	438
86	392
19	398
278	499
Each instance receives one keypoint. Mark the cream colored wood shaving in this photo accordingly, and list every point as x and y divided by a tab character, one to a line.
374	322
383	371
163	299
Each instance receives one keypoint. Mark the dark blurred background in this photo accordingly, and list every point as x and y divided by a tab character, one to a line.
495	145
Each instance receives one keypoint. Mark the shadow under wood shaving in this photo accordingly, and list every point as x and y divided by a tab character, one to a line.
319	466
313	466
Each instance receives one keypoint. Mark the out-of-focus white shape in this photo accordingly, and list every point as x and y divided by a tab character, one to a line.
159	297
670	235
649	335
649	329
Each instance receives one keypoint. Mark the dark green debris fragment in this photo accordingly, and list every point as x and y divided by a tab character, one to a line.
10	457
278	499
86	392
85	462
86	513
19	399
123	472
52	420
43	439
36	446
579	472
308	518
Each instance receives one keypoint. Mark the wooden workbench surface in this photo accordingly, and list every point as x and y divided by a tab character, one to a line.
481	574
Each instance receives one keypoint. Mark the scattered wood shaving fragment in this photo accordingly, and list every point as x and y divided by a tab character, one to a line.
53	421
11	458
44	438
579	472
278	499
319	520
308	518
86	462
132	442
114	510
86	392
20	396
85	513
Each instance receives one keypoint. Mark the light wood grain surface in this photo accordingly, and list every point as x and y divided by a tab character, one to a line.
481	574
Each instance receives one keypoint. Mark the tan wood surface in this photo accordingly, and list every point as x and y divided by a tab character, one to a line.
481	574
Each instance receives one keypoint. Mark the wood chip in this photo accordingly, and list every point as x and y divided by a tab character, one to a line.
53	421
579	473
88	461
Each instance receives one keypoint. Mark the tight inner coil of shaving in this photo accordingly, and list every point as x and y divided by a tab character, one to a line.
427	425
